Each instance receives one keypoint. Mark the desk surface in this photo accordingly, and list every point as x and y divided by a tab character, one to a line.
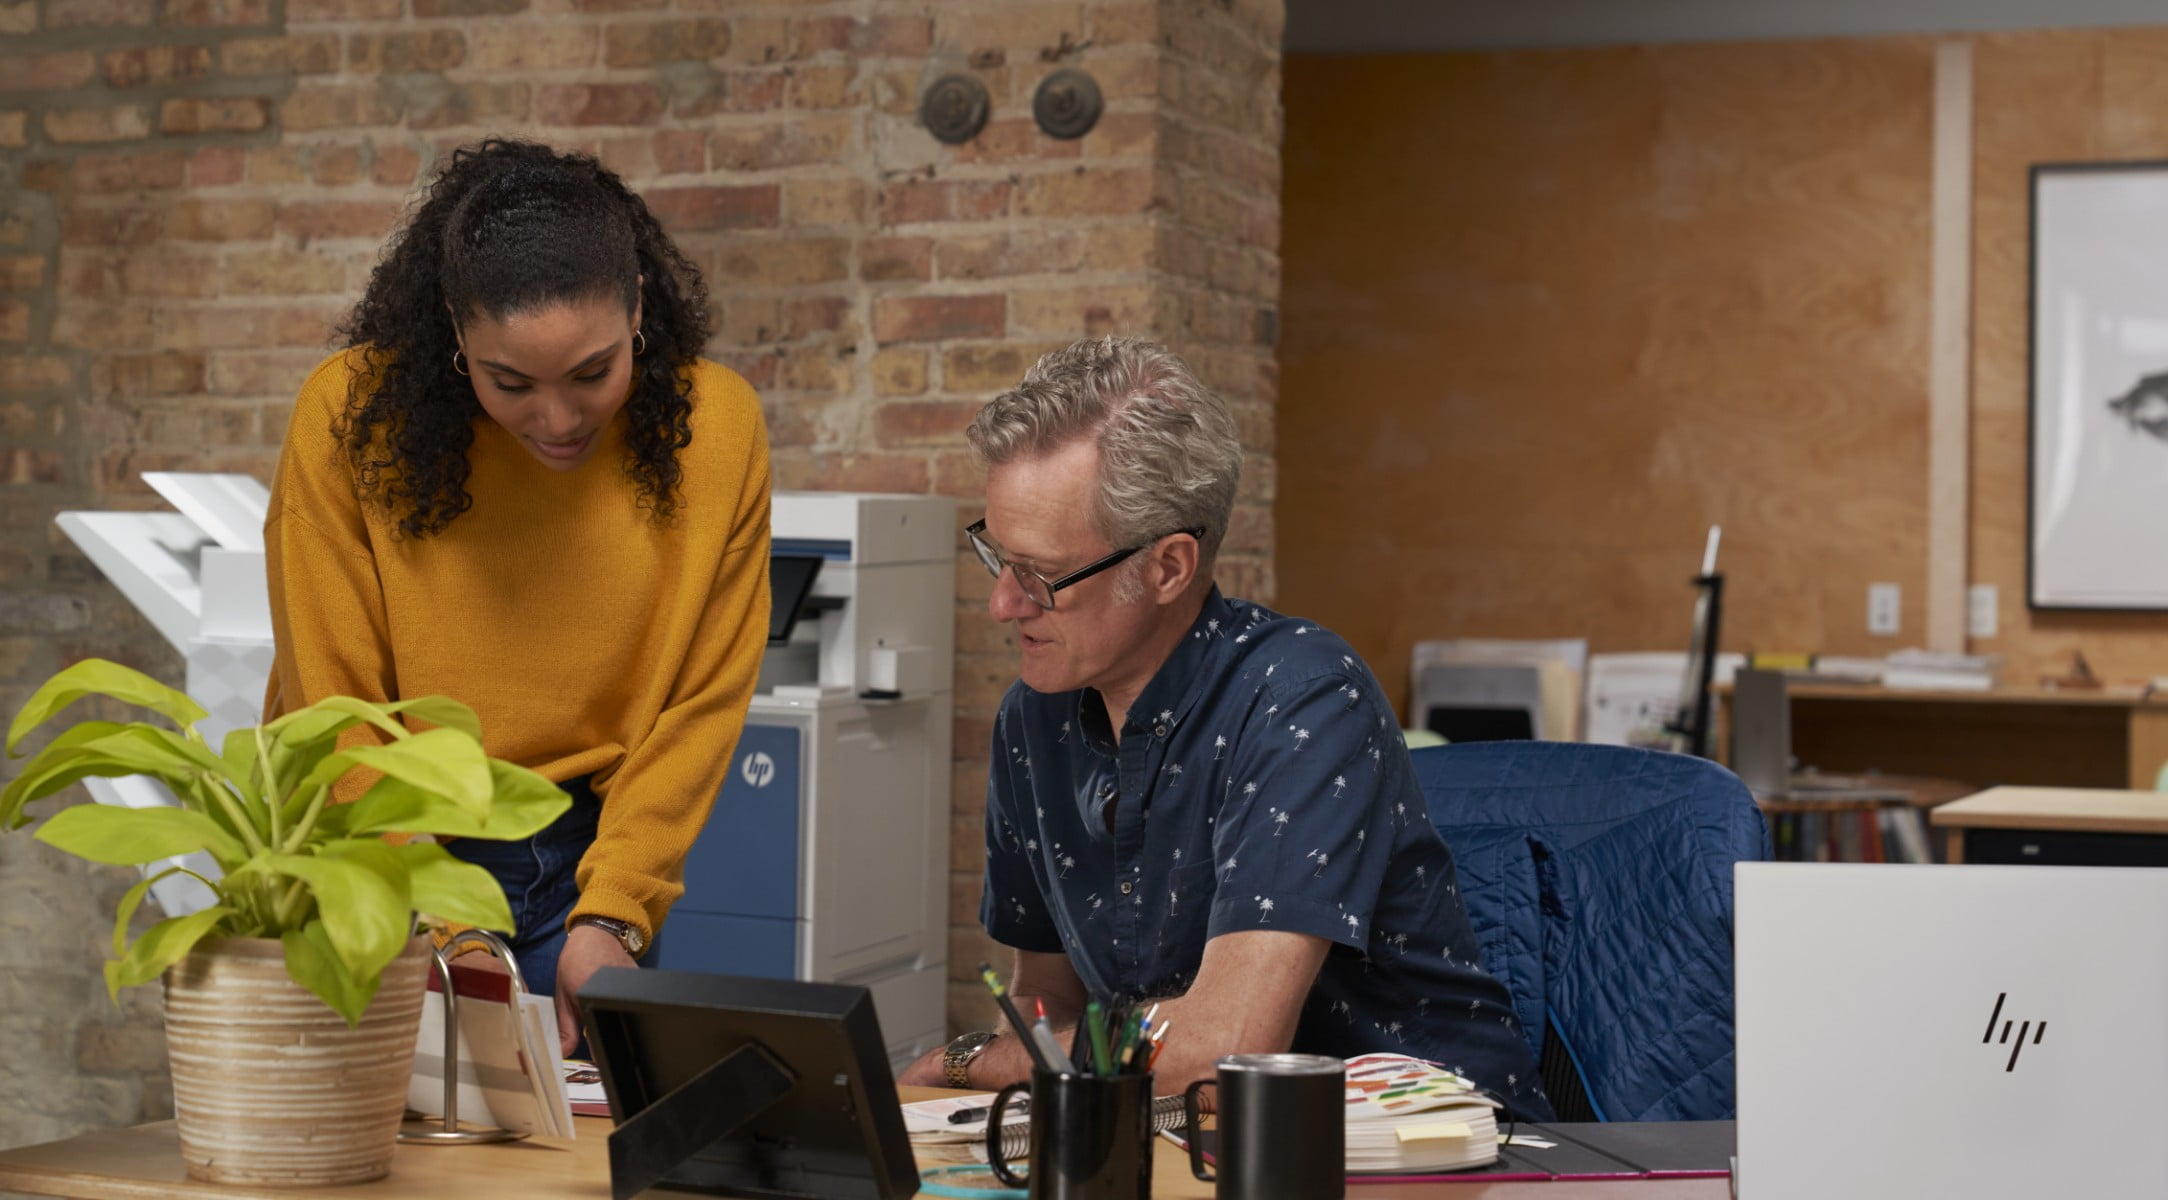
2105	810
2114	697
144	1163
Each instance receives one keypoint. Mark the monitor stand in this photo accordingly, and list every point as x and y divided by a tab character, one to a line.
659	1138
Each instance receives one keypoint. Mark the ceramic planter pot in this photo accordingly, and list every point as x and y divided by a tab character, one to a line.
269	1084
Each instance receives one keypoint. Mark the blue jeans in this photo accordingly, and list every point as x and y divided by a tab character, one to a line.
537	874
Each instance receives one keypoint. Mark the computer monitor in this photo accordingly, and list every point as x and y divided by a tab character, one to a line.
790	581
727	1085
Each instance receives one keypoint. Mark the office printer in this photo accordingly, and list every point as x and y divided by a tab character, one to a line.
826	857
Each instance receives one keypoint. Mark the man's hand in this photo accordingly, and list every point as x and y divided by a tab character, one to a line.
928	1071
587	950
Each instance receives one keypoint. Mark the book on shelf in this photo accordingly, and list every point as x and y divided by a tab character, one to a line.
1895	833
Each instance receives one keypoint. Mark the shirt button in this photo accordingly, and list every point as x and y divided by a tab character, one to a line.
1159	730
1127	887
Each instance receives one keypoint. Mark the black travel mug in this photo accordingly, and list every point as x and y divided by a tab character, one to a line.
1282	1127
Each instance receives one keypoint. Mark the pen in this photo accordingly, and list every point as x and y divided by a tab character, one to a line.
1098	1032
965	1116
1043	1033
1008	1009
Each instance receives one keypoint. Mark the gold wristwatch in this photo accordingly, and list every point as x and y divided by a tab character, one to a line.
956	1063
627	934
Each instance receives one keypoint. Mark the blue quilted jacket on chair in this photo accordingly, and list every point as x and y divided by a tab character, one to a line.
1598	879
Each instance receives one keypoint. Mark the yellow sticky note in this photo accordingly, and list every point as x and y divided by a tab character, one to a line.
1431	1131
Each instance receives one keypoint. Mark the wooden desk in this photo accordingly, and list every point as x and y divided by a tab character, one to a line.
2057	810
2024	736
144	1163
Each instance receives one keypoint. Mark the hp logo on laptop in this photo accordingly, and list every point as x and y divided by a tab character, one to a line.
757	769
2038	1030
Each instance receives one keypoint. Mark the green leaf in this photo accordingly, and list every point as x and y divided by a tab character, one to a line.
315	964
238	752
444	761
525	804
127	836
442	711
160	947
361	892
125	750
131	900
454	890
98	677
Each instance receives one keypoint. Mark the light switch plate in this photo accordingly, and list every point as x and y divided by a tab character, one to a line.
1884	601
1980	610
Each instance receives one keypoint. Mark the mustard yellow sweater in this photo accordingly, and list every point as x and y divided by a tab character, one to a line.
588	639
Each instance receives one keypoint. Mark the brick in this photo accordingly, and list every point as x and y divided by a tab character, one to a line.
214	12
162	274
468	8
14	321
157	169
921	422
335	106
597	104
102	328
1015	139
814	368
433	103
992	256
335	165
283	273
217	166
883	259
748	320
1123	24
909	201
214	114
825	86
225	220
530	47
310	12
680	152
736	92
34	373
938	318
697	209
376	53
812	202
794	143
311	220
959	475
21	467
69	14
47	72
855	473
1012	26
167	373
993	368
395	166
786	263
1122	135
22	272
18	17
108	226
278	166
1086	192
14	129
898	371
155	64
809	316
91	125
887	36
625	44
305	54
1082	312
257	372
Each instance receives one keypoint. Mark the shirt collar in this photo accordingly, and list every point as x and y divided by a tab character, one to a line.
1173	690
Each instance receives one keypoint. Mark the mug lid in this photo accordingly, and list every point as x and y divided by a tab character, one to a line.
1283	1064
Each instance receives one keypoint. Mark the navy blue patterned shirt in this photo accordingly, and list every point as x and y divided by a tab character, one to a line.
1263	784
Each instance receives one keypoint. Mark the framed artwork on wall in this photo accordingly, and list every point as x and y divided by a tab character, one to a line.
2097	529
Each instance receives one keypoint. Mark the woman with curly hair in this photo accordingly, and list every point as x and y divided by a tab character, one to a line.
519	485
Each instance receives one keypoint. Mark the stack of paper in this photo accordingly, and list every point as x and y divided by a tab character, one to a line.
1409	1117
509	1070
1924	669
937	1139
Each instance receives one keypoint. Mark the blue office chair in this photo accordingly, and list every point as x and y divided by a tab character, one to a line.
1598	881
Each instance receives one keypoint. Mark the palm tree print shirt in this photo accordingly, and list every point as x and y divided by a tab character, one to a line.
1260	783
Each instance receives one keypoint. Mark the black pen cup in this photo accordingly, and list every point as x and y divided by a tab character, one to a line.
1091	1136
1282	1127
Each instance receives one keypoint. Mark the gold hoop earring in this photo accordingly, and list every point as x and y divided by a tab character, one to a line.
459	362
639	343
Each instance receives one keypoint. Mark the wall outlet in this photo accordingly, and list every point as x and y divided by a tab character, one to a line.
1980	610
1884	601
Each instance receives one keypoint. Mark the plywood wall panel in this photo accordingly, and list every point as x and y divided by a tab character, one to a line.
1547	316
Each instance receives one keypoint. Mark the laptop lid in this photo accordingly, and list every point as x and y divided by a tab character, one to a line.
1978	1031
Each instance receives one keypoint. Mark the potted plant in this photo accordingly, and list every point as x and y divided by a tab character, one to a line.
293	1002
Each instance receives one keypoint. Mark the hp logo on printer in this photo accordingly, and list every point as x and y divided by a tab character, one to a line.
2038	1030
757	769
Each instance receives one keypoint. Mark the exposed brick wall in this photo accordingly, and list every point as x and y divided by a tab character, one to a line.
192	191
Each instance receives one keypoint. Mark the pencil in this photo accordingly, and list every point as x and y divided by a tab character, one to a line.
1008	1009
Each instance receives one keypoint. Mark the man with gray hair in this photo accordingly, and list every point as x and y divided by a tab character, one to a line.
1192	799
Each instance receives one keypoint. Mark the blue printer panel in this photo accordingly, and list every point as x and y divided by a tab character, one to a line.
739	914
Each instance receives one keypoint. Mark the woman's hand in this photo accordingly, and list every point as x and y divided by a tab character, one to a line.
588	949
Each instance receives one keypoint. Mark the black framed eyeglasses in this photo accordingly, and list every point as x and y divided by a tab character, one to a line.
1038	588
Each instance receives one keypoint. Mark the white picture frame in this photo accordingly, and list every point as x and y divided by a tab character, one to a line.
2097	444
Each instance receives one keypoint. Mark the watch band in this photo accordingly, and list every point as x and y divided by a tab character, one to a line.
956	1062
627	934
